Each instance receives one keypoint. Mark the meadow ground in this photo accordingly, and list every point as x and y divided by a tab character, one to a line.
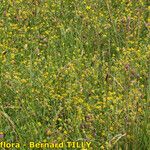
73	70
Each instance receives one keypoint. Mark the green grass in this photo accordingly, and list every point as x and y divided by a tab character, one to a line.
75	71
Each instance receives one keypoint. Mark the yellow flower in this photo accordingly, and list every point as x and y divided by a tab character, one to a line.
88	7
140	109
48	132
65	132
102	147
111	128
39	124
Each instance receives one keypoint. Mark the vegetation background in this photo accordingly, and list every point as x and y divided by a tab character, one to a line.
75	70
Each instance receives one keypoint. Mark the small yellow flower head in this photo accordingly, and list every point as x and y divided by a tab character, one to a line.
88	7
102	147
39	124
65	132
140	109
48	132
111	128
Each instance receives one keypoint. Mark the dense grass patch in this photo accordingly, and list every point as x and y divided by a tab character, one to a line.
75	70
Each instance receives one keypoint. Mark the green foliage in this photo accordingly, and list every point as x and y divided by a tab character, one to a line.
73	70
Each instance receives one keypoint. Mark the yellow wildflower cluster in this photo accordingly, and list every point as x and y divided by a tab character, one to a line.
76	70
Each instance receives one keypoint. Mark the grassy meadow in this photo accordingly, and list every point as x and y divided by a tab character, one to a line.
75	70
